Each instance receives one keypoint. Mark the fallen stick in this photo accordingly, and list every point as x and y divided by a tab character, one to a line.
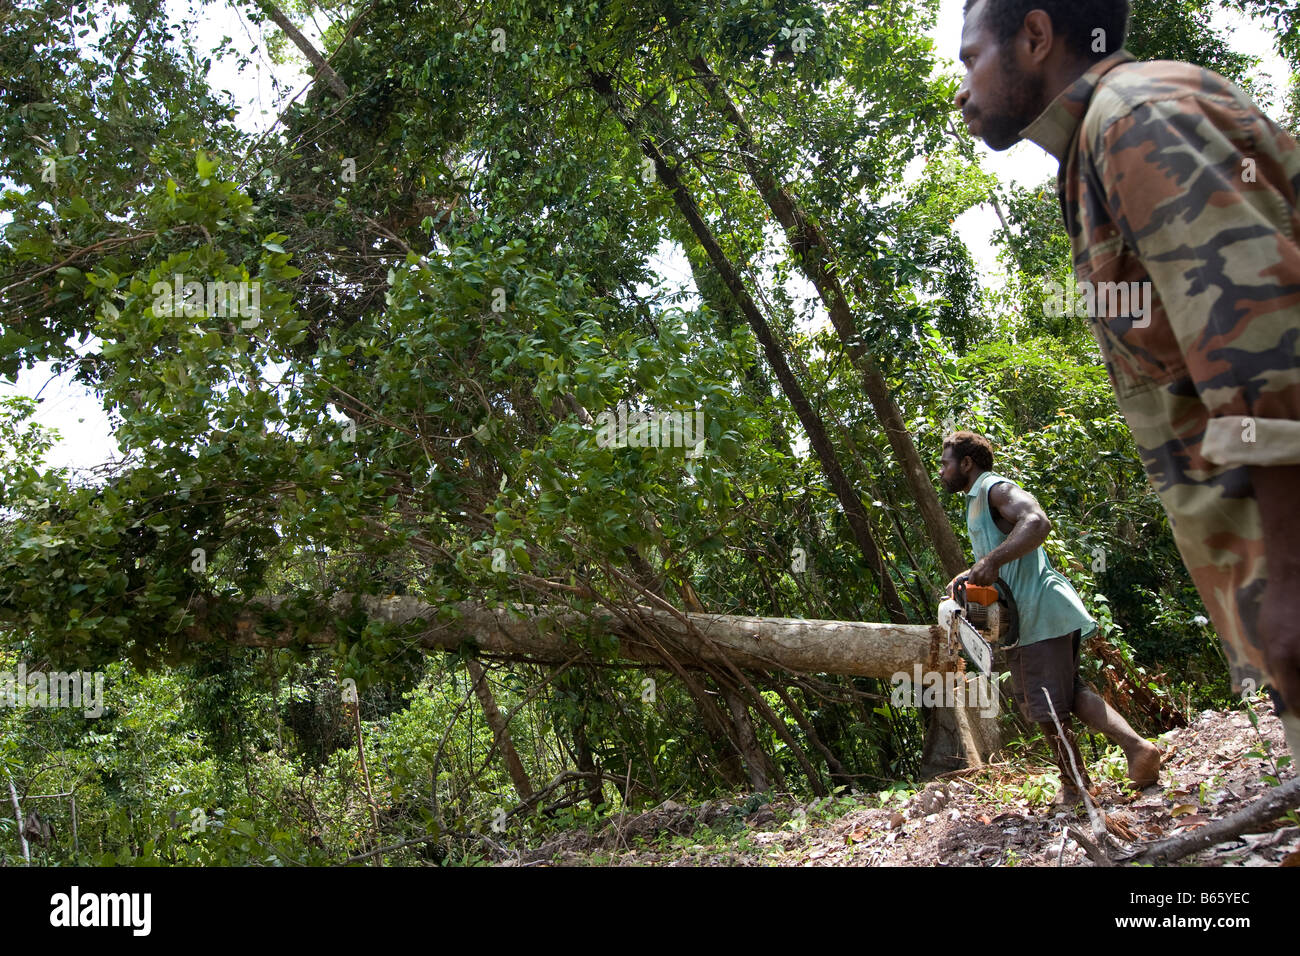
1095	852
1094	815
1264	810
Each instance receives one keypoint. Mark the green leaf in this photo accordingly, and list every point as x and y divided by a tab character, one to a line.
205	165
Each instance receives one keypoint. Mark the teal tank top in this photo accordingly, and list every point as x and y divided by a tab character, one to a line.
1048	605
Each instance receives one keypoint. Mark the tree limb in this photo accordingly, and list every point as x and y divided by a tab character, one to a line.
323	70
1267	808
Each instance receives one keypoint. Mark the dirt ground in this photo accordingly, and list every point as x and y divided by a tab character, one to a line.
1000	815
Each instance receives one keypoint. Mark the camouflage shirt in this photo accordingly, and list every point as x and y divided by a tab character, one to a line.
1180	200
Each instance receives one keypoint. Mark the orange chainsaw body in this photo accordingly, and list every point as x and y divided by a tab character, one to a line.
990	610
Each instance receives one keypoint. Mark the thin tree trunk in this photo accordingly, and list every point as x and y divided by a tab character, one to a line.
817	260
500	731
323	70
365	775
595	794
756	760
832	762
18	821
812	423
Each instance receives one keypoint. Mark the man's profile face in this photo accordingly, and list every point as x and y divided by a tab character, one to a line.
950	475
997	98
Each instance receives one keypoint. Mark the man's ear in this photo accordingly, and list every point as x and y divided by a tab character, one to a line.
1036	37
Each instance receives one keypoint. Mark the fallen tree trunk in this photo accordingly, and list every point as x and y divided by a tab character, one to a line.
528	632
637	635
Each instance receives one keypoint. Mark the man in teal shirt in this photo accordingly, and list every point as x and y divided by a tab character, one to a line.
1007	529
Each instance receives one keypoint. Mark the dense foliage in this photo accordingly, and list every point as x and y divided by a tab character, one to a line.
463	253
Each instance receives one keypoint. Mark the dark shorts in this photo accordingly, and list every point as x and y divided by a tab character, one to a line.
1051	664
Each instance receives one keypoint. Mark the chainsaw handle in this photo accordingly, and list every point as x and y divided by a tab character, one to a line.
963	593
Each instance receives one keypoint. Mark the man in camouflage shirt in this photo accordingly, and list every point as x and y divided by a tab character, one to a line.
1180	200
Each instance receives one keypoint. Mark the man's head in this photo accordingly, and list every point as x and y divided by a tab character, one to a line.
966	456
1020	54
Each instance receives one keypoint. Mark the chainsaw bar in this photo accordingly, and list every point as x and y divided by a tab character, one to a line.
978	649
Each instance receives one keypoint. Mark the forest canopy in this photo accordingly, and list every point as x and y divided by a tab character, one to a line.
367	356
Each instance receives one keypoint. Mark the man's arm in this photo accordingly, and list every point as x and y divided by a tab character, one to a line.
1031	528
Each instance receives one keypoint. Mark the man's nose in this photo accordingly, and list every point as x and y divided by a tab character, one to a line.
962	96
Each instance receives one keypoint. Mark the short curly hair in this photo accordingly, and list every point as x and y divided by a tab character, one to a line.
1075	20
972	444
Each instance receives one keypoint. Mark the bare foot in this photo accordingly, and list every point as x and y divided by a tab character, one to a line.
1067	797
1144	765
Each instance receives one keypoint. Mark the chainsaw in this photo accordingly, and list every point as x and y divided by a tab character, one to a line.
980	618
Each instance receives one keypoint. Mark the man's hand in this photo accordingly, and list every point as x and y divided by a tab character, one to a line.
1279	630
984	572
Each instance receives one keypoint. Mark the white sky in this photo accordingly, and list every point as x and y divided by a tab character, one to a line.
86	438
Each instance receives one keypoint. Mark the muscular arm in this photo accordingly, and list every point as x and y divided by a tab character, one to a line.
1279	622
1030	527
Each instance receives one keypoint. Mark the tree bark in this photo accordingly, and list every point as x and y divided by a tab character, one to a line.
18	822
756	760
500	730
537	633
